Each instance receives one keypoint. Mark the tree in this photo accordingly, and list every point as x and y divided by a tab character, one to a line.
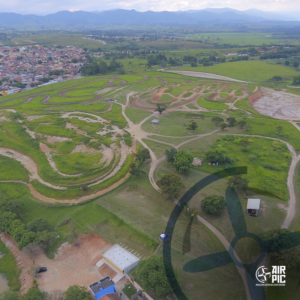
213	204
46	239
6	219
40	62
9	295
287	62
75	292
217	120
142	155
171	184
160	108
32	250
74	60
39	225
183	161
215	156
238	182
135	171
156	275
242	123
27	238
223	126
296	64
34	294
170	155
276	78
231	122
192	126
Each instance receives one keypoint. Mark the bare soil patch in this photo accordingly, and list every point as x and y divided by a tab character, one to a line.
71	265
105	270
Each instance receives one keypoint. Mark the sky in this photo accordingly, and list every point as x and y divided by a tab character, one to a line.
42	7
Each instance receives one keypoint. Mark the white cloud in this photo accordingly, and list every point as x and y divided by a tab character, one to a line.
51	6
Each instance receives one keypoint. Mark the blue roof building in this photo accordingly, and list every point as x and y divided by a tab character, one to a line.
102	287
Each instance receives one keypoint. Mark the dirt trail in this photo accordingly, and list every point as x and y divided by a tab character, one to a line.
29	164
203	75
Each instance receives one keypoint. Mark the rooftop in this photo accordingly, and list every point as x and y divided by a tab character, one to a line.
253	204
120	257
101	284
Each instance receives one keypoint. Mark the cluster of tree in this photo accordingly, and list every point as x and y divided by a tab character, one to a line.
239	58
274	55
189	59
94	68
239	182
174	61
276	78
140	157
217	156
38	231
284	249
74	292
213	204
18	84
181	160
156	274
230	122
158	59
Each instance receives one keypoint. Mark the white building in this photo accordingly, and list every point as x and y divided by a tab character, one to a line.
120	258
253	207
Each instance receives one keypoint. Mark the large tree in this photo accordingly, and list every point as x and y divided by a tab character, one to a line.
171	184
170	155
75	292
34	294
156	274
142	155
135	171
213	204
239	182
183	161
231	121
217	120
192	126
160	108
215	156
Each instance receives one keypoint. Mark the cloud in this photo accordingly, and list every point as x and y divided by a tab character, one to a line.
52	6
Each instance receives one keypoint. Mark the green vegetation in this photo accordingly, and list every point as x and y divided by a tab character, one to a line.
129	290
223	95
136	115
252	71
12	169
8	267
213	204
165	97
130	78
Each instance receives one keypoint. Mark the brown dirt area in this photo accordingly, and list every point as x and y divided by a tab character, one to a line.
71	265
105	270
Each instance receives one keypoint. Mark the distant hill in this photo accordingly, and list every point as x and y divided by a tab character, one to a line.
123	17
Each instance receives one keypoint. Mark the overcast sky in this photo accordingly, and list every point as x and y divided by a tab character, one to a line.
51	6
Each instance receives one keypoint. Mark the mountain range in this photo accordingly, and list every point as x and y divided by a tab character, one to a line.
122	17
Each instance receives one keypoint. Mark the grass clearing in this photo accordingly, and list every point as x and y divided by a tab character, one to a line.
165	97
252	71
192	106
12	169
136	115
130	78
173	123
66	100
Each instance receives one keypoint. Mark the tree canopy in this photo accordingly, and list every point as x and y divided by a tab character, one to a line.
171	184
155	274
75	292
192	126
213	204
239	182
160	108
183	161
170	155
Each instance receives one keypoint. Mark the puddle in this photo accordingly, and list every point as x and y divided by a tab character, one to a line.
3	284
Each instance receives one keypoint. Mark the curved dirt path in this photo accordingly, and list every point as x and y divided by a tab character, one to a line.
202	75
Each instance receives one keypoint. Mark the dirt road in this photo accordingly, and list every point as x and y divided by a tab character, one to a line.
203	75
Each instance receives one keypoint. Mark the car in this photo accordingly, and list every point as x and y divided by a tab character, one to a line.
41	270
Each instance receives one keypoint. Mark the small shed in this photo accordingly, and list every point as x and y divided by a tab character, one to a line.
155	121
253	207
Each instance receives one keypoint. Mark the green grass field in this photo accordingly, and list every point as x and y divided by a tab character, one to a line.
251	71
211	104
170	127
